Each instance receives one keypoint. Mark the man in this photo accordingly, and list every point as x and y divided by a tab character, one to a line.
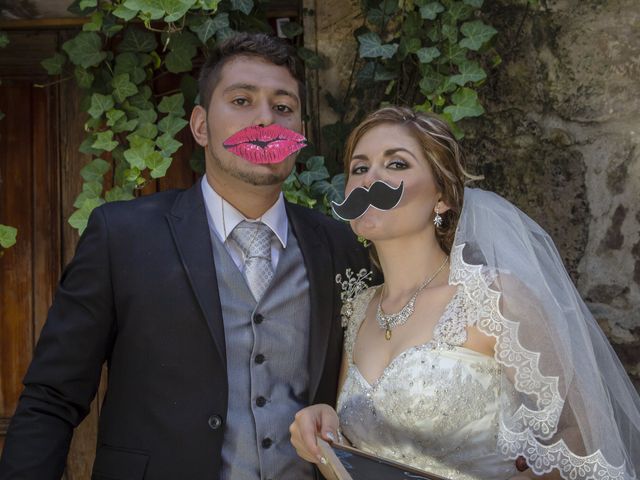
211	347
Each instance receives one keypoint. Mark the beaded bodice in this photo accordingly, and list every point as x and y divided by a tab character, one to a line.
434	407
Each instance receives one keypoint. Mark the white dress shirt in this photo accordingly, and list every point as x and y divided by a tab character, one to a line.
224	217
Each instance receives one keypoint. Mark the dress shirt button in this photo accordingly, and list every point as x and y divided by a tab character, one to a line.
266	442
258	318
259	358
215	422
261	401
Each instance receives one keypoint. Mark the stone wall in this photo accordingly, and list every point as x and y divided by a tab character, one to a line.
560	137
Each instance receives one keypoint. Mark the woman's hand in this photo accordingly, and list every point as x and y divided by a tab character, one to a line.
317	420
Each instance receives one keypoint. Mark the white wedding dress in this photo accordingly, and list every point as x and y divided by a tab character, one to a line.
435	406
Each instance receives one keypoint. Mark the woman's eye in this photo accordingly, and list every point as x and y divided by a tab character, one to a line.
283	109
240	101
397	164
359	170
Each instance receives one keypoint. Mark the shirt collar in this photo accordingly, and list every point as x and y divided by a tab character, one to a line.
275	218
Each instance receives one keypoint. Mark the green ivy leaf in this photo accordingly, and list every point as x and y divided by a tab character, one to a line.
83	77
465	104
477	34
469	72
474	3
176	9
197	161
375	16
455	53
91	189
245	6
140	149
95	24
105	141
450	32
4	39
292	29
167	144
151	9
138	41
124	13
431	10
146	115
225	33
457	11
100	104
123	87
158	165
311	59
173	105
172	125
427	55
80	217
118	193
113	116
84	4
8	236
95	170
209	4
210	26
130	62
85	146
189	87
54	65
371	46
147	130
183	48
85	49
334	190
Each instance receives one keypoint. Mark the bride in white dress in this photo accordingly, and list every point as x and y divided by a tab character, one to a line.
492	367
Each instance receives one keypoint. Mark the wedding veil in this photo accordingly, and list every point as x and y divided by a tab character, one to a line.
566	401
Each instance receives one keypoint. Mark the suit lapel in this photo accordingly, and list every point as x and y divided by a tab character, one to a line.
317	261
190	230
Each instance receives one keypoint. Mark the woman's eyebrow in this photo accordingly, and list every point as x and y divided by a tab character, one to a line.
392	151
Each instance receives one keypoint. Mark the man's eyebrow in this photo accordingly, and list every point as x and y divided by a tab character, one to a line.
254	88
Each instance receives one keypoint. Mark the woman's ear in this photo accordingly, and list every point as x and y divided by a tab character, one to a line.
441	207
198	124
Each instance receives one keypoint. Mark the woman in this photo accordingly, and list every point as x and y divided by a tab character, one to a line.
492	367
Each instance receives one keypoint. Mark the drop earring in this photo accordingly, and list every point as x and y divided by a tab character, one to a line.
437	220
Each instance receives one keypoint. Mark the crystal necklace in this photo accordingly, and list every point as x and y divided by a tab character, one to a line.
389	321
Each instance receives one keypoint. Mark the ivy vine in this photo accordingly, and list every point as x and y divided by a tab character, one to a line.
429	54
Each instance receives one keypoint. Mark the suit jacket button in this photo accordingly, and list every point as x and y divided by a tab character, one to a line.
266	442
258	318
215	422
259	358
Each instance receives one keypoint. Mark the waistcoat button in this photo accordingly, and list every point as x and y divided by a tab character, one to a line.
215	422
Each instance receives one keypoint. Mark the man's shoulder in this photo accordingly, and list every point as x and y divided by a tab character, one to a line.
160	202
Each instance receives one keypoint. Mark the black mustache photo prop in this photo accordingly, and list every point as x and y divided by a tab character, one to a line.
379	195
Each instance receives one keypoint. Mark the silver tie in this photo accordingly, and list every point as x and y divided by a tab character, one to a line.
254	239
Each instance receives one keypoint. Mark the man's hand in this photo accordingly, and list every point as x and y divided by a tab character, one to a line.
317	420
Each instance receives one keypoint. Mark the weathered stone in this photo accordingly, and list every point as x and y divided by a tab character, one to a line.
559	139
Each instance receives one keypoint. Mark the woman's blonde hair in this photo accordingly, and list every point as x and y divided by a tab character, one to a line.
440	148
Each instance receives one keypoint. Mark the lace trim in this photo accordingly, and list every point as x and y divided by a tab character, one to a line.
542	458
520	434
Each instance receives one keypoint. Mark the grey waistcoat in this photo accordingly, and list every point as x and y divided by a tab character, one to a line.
267	357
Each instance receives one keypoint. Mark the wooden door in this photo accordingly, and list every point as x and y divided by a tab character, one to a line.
39	181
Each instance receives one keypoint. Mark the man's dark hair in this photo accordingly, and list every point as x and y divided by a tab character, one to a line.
267	47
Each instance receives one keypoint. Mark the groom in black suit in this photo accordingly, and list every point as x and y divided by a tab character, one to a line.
206	366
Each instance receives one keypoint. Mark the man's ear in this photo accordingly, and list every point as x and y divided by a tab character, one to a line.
198	124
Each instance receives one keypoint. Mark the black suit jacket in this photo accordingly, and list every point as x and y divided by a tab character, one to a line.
141	293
